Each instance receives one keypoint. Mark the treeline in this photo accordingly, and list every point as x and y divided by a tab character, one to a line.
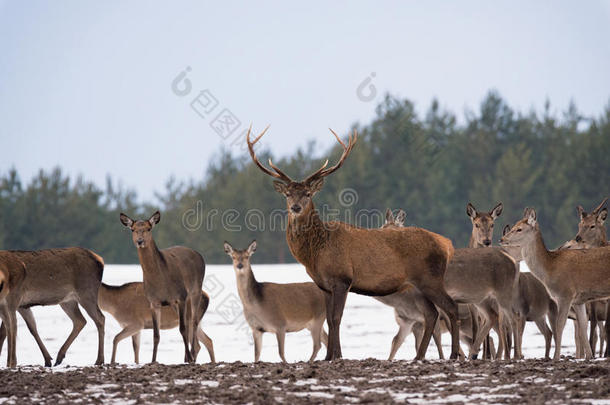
430	166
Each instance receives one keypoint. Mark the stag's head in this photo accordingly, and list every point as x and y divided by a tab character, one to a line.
241	258
299	194
483	224
392	221
141	230
523	231
591	229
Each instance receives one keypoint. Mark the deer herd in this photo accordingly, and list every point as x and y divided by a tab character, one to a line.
432	287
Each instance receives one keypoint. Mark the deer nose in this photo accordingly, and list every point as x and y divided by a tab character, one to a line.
578	238
487	242
240	266
296	208
140	241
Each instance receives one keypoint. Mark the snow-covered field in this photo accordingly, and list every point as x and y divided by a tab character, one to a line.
366	330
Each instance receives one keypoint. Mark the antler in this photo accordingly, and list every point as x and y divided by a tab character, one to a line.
322	171
599	207
277	173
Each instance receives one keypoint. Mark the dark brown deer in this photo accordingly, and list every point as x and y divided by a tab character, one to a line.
128	304
341	258
572	277
277	308
65	277
172	276
12	274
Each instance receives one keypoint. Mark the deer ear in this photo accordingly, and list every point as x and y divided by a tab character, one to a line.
280	187
505	230
389	217
228	248
400	218
531	217
471	211
581	212
603	214
252	247
154	218
495	213
125	220
316	185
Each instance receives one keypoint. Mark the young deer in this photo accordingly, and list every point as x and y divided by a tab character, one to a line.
277	308
340	257
12	274
572	277
66	277
481	237
592	234
130	307
172	276
532	303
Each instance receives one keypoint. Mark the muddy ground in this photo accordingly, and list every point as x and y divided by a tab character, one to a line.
346	381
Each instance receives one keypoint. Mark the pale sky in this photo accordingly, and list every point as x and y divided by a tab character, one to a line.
88	85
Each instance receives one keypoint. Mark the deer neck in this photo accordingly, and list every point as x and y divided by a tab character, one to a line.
537	256
306	235
150	259
248	288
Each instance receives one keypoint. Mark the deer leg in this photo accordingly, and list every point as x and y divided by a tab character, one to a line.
607	327
2	335
483	331
127	331
316	336
207	342
404	328
439	297
135	343
581	318
30	322
258	344
195	319
156	318
437	336
183	331
475	324
335	303
602	338
593	327
78	323
281	336
93	310
7	328
430	316
563	308
548	336
324	336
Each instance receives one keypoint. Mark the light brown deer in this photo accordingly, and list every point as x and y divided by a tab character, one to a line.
66	277
277	308
128	304
12	274
532	303
591	234
341	258
481	237
572	277
172	276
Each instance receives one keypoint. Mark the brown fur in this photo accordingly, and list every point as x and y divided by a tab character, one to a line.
342	258
12	274
65	277
277	308
572	277
128	305
172	276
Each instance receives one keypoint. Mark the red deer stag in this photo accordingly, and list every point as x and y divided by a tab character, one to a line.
277	308
127	304
341	258
65	277
12	274
172	276
572	277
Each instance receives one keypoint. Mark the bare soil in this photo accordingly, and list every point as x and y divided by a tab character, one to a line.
346	381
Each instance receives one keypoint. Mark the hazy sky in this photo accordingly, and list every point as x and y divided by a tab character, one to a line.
88	85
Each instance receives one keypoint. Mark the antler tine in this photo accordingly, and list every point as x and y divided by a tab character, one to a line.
281	173
278	174
599	207
346	151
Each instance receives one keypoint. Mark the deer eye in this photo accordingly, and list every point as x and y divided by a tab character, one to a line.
308	194
519	230
492	225
287	194
477	225
592	226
